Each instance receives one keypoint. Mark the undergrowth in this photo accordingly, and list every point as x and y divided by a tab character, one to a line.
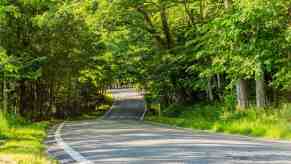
22	141
274	123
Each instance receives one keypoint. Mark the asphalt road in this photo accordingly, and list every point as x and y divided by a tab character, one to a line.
128	105
136	142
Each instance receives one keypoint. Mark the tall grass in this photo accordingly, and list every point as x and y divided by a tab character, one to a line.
272	123
22	141
3	125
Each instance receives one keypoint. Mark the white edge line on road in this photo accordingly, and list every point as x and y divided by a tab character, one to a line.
74	154
109	111
144	112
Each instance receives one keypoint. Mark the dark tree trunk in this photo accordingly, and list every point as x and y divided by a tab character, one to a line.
260	88
150	26
209	89
166	27
219	86
242	94
5	96
22	98
227	4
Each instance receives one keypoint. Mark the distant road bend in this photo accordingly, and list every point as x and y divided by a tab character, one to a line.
121	138
128	104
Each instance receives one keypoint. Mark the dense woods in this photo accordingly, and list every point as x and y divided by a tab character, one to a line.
185	51
46	49
58	57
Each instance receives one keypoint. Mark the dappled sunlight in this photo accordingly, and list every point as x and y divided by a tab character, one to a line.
136	142
181	141
129	141
126	93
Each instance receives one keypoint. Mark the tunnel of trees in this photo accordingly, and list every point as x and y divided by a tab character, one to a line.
58	57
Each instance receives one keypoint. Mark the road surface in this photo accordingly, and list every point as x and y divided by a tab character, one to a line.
115	141
128	104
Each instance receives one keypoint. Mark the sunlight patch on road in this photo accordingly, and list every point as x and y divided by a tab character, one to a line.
182	141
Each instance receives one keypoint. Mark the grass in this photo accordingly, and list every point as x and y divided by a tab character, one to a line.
268	123
22	141
3	126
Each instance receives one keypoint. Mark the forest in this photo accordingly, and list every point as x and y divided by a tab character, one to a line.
208	58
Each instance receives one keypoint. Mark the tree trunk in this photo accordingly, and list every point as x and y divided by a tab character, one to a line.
5	97
289	24
164	101
150	27
242	94
227	4
22	98
260	93
203	9
275	97
209	90
260	88
219	87
166	28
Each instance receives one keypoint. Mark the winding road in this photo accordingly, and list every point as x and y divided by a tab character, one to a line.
121	138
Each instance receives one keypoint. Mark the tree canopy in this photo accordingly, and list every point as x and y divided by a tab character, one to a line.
179	51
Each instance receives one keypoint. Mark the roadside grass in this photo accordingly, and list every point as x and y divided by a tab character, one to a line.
3	125
273	123
22	141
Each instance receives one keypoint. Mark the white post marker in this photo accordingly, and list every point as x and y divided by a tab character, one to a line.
69	150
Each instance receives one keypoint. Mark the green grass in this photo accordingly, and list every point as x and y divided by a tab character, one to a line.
3	125
268	123
22	141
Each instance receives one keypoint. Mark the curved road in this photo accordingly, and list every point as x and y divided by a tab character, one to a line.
135	142
128	104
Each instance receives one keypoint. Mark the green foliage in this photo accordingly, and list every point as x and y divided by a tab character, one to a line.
173	48
230	101
50	47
